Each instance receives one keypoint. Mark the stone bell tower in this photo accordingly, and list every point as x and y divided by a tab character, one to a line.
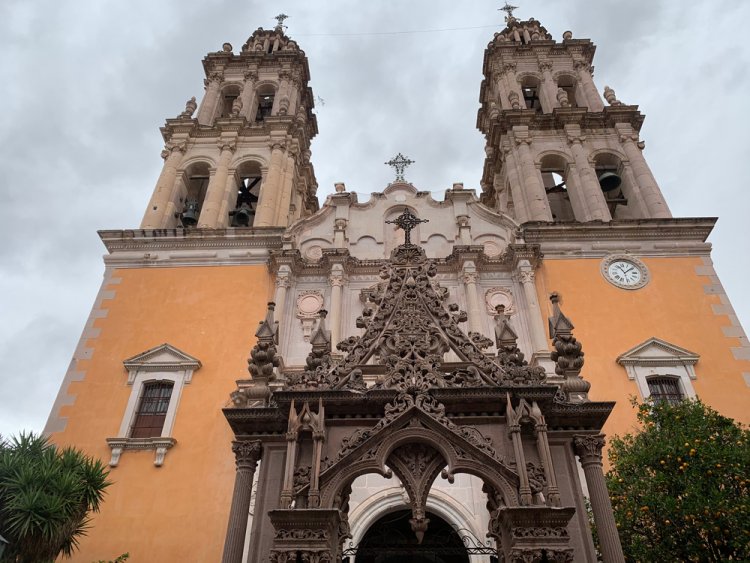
244	160
555	151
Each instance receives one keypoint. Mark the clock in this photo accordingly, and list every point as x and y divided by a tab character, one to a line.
625	271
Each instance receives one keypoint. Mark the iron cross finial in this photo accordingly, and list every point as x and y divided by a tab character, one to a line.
399	163
280	19
508	9
407	221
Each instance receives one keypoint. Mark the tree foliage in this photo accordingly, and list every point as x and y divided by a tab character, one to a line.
680	486
46	495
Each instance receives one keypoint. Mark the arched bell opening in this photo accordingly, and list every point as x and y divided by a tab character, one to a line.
243	201
229	97
554	169
192	188
616	186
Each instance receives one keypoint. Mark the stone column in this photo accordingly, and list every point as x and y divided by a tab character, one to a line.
636	205
520	209
281	100
589	450
336	280
266	212
154	216
286	183
590	188
246	455
542	444
515	95
536	197
283	281
526	277
208	103
593	100
469	277
652	196
209	217
248	91
548	86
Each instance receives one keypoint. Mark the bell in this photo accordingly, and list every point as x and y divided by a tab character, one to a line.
609	181
242	217
189	215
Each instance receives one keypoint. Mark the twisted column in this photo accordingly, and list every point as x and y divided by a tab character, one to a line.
246	455
588	448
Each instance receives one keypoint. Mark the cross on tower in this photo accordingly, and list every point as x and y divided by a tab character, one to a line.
399	163
508	9
407	221
280	19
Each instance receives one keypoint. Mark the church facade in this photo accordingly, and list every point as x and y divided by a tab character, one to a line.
415	385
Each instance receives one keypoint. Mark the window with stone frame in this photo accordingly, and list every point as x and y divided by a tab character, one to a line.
152	409
665	388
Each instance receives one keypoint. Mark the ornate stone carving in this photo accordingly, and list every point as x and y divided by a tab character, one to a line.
499	296
562	98
261	364
568	354
190	107
246	453
236	107
609	95
589	447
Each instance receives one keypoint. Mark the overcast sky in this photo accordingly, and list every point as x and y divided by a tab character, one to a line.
86	84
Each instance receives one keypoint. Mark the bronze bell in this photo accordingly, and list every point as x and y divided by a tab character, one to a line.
243	216
609	181
189	215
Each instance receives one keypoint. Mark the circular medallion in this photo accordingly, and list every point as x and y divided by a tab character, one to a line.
625	271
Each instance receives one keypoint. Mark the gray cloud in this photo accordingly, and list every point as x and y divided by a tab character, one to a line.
87	84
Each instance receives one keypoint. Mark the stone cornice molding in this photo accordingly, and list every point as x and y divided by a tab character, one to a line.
191	239
693	229
673	355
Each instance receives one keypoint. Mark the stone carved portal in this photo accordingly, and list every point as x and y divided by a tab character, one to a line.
486	415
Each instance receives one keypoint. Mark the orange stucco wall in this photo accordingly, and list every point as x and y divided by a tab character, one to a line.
673	306
210	313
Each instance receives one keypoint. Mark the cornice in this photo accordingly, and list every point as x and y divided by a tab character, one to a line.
191	239
683	228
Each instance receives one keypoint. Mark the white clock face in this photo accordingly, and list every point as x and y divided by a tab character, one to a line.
624	272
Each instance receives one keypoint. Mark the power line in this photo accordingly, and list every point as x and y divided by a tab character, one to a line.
393	32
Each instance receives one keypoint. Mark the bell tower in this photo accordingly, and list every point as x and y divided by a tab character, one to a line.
244	159
554	150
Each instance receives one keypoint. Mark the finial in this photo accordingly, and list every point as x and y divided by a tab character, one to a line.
280	19
399	163
508	9
407	221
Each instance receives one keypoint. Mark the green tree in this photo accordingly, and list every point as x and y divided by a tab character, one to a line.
46	495
679	486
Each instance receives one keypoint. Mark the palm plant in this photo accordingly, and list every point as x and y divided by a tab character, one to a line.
46	496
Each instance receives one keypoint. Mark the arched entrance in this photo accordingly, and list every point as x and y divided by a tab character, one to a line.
391	540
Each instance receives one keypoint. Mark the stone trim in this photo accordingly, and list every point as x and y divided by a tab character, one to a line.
83	351
161	363
672	360
161	445
735	331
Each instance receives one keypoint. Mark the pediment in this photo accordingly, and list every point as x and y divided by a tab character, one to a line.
656	351
163	357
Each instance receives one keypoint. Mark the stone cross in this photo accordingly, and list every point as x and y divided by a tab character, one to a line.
508	9
407	221
399	163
